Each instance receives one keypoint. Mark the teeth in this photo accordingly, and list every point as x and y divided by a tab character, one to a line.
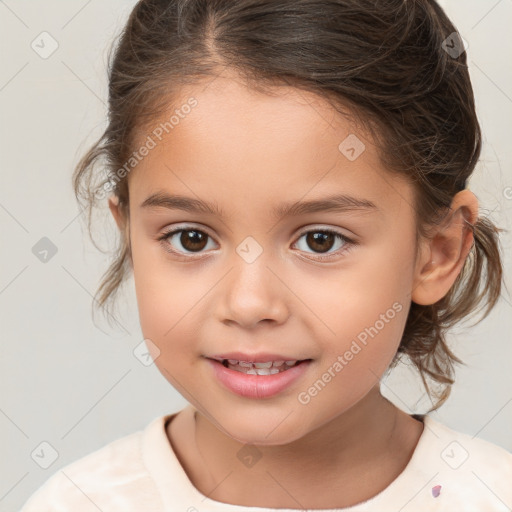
263	365
266	364
262	371
263	368
260	368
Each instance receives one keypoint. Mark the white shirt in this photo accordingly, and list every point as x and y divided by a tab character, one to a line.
449	471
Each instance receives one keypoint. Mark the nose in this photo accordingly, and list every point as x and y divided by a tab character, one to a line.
253	293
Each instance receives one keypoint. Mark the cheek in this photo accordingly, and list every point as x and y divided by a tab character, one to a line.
361	289
166	307
168	295
361	310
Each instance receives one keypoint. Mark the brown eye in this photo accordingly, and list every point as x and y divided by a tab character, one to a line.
193	240
320	241
190	240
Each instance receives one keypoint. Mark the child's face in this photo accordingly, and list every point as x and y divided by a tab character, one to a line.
249	153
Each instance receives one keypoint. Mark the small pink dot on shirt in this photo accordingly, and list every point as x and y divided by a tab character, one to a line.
436	491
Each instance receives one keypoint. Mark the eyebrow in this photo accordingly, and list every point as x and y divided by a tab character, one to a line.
334	203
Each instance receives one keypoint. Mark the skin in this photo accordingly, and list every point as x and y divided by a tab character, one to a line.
248	152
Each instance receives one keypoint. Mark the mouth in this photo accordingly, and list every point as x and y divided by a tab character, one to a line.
259	368
260	379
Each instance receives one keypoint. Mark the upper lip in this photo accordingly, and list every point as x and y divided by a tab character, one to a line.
261	357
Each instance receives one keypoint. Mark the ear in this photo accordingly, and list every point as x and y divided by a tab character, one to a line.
443	255
122	222
113	204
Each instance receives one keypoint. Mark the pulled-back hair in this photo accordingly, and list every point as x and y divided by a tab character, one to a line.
398	64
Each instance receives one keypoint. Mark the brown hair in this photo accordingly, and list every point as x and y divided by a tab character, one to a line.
388	60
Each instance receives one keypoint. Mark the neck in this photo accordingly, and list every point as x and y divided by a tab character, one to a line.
350	446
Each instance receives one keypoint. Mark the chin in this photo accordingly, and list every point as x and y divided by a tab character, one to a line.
265	431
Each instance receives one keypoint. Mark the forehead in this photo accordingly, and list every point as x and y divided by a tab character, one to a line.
263	147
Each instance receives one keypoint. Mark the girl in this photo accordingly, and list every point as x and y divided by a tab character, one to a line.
289	182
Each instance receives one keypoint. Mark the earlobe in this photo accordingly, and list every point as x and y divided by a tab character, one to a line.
446	251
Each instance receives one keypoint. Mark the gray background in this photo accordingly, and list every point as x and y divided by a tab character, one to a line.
76	384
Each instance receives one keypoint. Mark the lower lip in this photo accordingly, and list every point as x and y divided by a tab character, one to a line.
257	386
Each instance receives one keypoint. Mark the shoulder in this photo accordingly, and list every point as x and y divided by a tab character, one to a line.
460	447
467	467
113	477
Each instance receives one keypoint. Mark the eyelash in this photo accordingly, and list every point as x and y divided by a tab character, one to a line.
349	243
